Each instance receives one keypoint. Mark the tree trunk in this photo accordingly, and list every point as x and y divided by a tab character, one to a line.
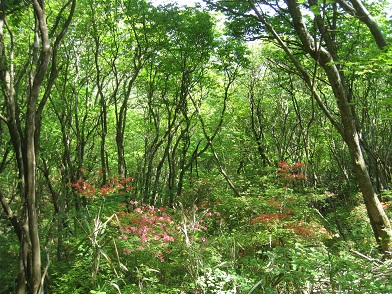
327	58
25	138
379	220
30	175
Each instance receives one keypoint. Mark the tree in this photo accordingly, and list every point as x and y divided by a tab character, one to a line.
312	28
23	76
183	46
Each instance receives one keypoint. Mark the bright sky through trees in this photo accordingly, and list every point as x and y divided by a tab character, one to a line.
180	2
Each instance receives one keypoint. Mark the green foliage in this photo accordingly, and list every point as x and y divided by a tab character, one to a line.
315	268
8	258
174	226
271	244
73	277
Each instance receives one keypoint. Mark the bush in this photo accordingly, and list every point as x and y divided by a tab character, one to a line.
275	243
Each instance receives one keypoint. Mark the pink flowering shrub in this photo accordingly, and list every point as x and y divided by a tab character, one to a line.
147	228
157	230
159	244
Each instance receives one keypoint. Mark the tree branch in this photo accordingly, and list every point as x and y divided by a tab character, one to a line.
304	74
358	10
11	216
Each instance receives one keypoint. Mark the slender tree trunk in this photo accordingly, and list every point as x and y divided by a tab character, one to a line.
25	138
25	148
121	165
121	118
256	123
100	78
30	170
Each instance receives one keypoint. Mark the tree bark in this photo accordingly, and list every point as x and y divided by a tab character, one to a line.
358	10
326	57
378	219
24	135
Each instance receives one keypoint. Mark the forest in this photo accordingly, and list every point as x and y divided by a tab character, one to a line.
220	147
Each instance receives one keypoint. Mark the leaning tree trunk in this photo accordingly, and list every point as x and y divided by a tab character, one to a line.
325	57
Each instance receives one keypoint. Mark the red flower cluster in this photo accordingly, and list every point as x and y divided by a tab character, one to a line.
291	172
267	218
117	185
114	185
308	230
84	188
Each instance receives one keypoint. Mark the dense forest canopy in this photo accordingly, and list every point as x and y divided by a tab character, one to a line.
225	147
